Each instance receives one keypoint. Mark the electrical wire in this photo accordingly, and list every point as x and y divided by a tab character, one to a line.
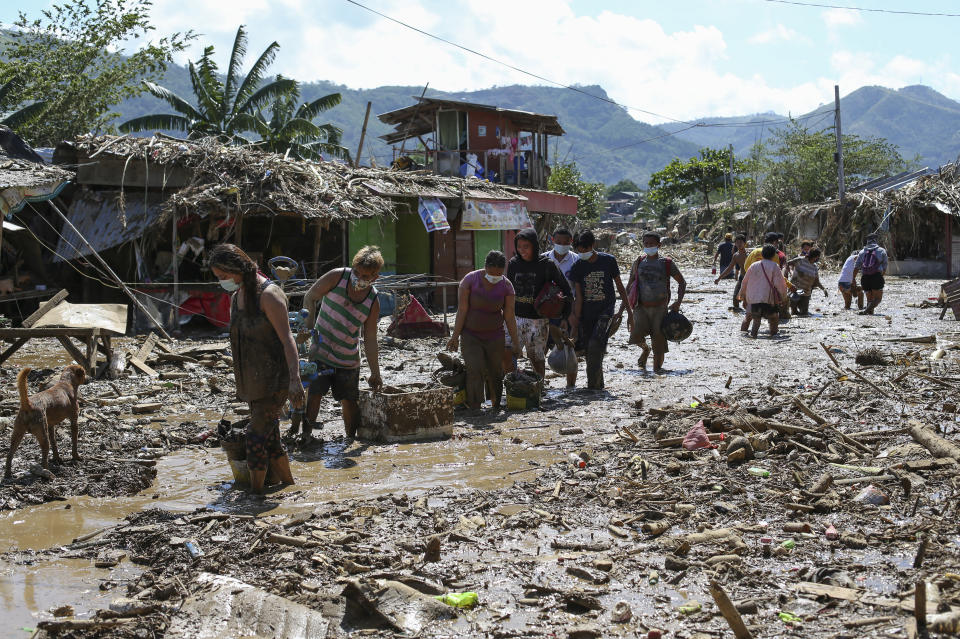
904	12
574	88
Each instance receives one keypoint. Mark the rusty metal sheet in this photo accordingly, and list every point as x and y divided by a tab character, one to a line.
100	218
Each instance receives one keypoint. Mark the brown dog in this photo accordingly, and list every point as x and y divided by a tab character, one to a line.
40	414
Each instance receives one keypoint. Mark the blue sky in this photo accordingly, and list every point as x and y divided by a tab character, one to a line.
678	58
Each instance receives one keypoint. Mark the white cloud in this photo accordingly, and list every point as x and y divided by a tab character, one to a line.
682	74
778	33
835	18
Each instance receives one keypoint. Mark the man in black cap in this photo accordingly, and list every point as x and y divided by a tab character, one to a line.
872	262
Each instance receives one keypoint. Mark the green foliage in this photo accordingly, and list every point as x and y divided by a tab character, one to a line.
290	129
224	109
622	185
566	178
73	60
18	118
699	175
798	164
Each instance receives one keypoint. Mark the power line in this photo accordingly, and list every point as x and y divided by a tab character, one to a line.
515	68
872	10
569	87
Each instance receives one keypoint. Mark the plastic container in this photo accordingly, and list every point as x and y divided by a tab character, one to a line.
758	472
576	460
654	578
831	533
788	544
766	544
193	549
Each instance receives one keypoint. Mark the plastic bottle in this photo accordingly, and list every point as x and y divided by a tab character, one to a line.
654	578
459	599
766	546
193	549
788	544
758	472
576	460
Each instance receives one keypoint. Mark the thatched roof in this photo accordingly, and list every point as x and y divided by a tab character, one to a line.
23	175
245	180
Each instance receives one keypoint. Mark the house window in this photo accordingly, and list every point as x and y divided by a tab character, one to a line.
481	131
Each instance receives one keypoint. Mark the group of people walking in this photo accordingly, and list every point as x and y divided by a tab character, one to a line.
773	288
566	298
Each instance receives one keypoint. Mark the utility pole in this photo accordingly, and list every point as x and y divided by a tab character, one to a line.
838	157
733	193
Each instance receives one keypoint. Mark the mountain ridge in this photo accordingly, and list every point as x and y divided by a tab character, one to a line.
608	144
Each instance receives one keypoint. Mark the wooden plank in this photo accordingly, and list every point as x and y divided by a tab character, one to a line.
142	367
75	352
15	333
147	347
44	308
5	355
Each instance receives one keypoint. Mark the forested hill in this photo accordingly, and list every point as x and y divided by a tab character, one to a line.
609	145
595	129
920	121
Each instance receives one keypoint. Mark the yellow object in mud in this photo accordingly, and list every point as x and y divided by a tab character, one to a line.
521	403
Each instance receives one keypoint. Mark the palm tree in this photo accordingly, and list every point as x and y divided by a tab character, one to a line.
224	109
291	130
18	117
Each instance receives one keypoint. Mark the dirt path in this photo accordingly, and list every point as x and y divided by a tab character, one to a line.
551	550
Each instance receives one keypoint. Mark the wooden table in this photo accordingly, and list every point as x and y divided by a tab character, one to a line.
93	339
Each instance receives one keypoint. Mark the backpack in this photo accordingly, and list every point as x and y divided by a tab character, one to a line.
871	263
633	295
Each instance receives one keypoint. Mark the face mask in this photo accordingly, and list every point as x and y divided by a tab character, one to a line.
561	249
493	279
585	256
229	285
358	283
651	250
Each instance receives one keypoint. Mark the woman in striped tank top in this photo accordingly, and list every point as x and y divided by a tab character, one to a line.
348	304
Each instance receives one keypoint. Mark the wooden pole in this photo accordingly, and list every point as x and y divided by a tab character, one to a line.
175	311
317	231
363	134
103	263
729	612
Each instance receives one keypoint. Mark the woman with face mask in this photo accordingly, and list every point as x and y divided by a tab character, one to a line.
485	305
348	305
265	362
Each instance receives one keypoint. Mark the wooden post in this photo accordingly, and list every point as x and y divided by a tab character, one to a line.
238	230
729	612
948	231
317	231
103	263
343	242
363	134
175	311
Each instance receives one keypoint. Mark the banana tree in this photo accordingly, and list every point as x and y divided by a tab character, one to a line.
290	129
223	109
18	117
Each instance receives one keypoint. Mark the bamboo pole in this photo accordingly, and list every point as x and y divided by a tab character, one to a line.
363	134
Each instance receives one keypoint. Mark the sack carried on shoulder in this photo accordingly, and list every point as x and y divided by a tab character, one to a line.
550	301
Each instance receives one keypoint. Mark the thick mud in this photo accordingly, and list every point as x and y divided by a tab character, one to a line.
550	548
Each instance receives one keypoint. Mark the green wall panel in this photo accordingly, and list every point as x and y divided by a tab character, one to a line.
483	243
377	231
413	244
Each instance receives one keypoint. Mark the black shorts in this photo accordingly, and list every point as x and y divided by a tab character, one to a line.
872	282
344	382
764	310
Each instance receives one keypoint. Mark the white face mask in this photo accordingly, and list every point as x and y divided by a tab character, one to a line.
585	256
493	279
229	285
561	249
358	283
651	250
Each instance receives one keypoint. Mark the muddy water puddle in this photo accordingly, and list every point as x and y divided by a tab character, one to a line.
195	477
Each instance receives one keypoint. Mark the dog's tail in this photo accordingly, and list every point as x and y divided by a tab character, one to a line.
22	387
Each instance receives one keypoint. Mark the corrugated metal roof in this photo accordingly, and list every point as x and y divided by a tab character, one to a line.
892	183
97	215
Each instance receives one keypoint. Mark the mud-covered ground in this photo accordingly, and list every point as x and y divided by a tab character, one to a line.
625	545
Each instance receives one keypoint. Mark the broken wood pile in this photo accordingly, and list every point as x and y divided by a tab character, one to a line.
238	180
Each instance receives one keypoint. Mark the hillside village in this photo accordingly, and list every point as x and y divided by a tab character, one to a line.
291	359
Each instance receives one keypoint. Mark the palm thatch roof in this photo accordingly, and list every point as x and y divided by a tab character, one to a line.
24	177
244	180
